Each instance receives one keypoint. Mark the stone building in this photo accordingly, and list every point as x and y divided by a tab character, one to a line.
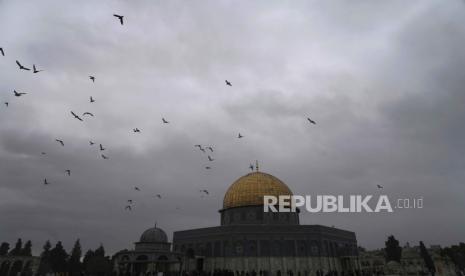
252	241
151	255
374	263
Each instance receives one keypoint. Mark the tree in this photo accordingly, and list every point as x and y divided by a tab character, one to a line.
58	258
427	258
456	253
393	252
44	266
27	250
87	257
74	262
16	251
100	251
4	248
96	263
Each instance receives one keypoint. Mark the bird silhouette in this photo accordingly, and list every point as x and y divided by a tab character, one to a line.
101	147
18	94
76	116
136	130
128	207
239	136
228	83
68	172
87	113
205	191
92	99
251	167
21	67
208	167
136	188
120	17
158	195
92	78
35	70
210	158
43	153
311	121
60	141
45	181
1	51
164	121
91	143
104	156
210	148
379	186
6	103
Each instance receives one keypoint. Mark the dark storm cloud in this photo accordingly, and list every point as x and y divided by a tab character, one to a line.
383	81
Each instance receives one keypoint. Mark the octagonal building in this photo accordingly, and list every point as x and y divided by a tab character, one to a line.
251	241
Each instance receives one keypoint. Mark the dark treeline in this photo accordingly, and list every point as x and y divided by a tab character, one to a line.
57	260
457	255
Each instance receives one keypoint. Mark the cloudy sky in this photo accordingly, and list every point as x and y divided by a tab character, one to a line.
384	80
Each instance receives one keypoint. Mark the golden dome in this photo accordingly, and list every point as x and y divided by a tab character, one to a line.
250	189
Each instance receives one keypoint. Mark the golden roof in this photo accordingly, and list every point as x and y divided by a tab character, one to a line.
250	189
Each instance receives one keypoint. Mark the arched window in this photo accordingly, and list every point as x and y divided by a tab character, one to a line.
142	258
162	258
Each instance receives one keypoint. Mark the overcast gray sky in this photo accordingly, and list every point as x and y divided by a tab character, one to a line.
384	80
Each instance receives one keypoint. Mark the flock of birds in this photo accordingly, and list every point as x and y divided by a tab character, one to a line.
205	149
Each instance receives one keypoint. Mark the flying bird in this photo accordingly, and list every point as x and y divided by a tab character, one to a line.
92	78
311	121
6	103
210	158
76	116
208	167
68	172
136	188
205	191
92	99
18	94
88	113
43	153
120	17
104	157
228	83
45	181
164	121
158	195
21	67
128	207
239	136
136	130
35	70
101	147
1	51
210	148
91	143
379	186
60	141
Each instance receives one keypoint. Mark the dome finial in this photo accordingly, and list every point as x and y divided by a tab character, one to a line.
256	165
